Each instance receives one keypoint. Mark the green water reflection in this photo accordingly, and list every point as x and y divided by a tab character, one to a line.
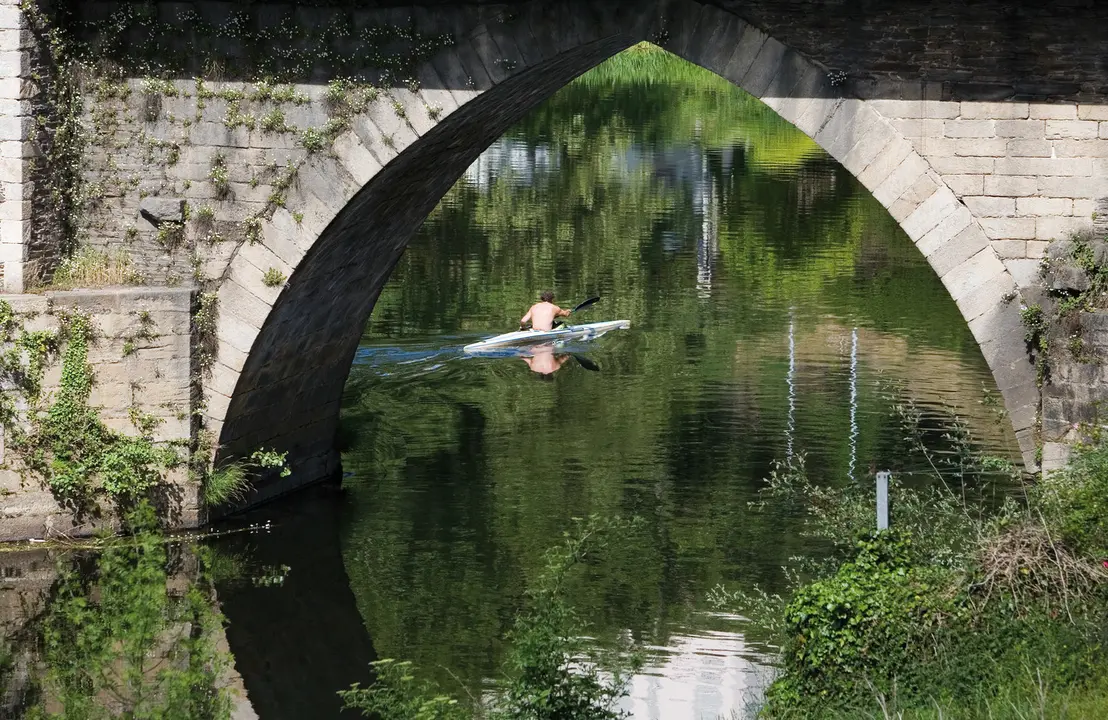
752	268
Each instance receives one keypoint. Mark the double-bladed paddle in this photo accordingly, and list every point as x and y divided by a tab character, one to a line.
585	304
582	306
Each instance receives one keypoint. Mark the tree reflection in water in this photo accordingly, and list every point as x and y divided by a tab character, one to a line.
129	630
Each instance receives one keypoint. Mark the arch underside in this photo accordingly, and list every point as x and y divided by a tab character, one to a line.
285	392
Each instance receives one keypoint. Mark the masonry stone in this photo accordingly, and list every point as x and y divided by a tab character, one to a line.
1071	129
986	206
994	110
959	249
1053	111
1043	207
159	210
946	230
969	128
967	184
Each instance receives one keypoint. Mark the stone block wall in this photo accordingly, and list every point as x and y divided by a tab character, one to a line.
16	127
1029	172
227	149
155	377
1075	400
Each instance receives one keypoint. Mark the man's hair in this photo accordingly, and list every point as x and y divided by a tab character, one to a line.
546	296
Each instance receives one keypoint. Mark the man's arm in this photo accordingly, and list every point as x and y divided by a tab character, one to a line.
561	313
526	318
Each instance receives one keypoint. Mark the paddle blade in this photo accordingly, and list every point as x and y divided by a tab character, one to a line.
586	363
590	301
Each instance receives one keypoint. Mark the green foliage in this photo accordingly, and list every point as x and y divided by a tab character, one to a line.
205	320
91	268
1056	323
252	229
219	176
265	91
224	484
551	673
231	481
78	457
945	614
274	121
397	695
61	133
313	140
204	216
1075	501
273	277
159	86
117	643
171	235
861	627
271	460
21	366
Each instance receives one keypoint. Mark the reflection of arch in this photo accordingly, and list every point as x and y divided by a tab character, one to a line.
284	353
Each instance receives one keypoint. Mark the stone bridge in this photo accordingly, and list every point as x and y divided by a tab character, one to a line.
982	129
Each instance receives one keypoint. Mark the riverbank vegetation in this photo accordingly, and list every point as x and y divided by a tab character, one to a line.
551	671
957	610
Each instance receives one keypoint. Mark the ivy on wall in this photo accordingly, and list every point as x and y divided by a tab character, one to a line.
58	437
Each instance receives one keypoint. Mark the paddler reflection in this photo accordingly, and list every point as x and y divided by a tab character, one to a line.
542	360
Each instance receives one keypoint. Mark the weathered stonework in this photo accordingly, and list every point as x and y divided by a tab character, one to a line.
981	162
155	378
16	129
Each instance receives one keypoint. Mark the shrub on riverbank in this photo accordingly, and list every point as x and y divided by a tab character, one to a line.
1003	615
551	672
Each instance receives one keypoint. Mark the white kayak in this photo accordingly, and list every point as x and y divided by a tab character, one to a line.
531	337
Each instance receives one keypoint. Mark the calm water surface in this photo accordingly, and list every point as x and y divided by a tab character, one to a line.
775	309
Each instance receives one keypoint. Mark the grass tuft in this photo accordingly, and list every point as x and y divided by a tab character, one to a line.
91	268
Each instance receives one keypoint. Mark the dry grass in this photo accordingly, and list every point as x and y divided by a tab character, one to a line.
1027	563
91	268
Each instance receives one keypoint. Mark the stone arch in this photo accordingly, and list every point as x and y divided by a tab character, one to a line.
284	353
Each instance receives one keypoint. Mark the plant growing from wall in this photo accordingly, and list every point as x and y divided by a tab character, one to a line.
231	481
1074	275
74	453
60	133
219	177
205	321
273	277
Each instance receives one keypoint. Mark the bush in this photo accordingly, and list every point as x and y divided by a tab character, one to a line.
995	616
853	632
1075	501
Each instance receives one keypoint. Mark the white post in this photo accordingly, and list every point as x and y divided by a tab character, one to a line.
883	500
853	401
790	380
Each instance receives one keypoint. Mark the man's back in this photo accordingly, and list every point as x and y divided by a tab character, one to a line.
542	315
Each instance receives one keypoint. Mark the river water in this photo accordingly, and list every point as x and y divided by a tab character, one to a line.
775	310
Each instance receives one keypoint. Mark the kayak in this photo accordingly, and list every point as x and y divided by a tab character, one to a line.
565	332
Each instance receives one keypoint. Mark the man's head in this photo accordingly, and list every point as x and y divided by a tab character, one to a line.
546	296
